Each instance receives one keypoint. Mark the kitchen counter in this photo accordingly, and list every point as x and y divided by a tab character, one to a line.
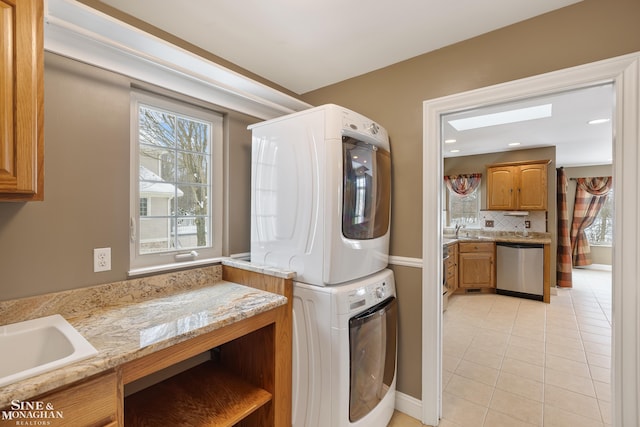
132	319
472	236
534	237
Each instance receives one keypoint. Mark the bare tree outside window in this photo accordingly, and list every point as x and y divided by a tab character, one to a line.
601	231
175	161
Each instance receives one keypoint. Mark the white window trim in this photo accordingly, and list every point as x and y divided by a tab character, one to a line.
151	263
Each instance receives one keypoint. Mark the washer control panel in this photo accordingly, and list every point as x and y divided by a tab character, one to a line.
369	295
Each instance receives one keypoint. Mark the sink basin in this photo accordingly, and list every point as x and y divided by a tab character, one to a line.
36	346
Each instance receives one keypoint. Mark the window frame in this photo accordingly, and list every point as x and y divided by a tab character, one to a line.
147	263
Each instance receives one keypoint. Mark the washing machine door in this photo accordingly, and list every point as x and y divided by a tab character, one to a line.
372	356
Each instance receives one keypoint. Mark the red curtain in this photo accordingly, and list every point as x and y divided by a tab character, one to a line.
564	276
591	193
463	185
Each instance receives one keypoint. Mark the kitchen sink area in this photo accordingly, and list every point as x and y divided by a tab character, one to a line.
40	345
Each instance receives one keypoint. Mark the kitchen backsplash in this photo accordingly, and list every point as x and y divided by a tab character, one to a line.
503	221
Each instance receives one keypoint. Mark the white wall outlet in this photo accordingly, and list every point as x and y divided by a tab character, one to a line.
101	259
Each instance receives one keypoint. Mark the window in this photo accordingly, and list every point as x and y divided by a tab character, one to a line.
144	201
176	193
601	231
464	210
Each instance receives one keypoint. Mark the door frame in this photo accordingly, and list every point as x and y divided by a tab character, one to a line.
624	72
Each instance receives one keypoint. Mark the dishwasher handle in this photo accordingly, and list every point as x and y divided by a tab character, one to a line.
520	245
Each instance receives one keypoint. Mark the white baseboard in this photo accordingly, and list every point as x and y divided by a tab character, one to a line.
409	405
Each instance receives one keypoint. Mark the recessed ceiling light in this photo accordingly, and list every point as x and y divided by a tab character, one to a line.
597	121
454	151
449	141
513	144
511	116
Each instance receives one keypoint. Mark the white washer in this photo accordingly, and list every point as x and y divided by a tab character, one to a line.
344	353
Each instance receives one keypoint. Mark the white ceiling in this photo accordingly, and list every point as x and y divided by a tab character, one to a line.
304	45
577	142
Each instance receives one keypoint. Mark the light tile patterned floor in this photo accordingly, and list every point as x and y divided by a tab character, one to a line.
514	362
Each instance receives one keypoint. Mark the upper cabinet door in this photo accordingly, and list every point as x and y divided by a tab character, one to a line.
532	188
518	186
21	100
501	184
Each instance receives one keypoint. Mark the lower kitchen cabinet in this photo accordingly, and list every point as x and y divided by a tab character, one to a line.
94	402
451	268
476	265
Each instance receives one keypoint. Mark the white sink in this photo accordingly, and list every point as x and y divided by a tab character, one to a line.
36	346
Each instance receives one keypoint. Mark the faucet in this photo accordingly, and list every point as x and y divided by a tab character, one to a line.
458	227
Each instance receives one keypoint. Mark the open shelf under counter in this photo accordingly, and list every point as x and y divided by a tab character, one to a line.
206	395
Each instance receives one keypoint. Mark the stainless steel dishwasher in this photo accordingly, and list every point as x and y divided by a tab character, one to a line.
520	270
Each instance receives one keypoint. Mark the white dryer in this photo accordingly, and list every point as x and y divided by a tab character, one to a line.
320	195
344	353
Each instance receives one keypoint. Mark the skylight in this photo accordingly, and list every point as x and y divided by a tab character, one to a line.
511	116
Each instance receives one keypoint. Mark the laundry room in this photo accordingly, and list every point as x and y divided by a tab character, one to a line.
132	137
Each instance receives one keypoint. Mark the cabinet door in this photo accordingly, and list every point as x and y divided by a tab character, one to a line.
532	187
21	100
90	403
476	270
452	268
500	188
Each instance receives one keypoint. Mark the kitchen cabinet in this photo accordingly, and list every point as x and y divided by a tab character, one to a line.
451	268
93	402
517	186
21	100
476	265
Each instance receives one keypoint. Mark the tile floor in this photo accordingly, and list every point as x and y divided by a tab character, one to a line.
514	362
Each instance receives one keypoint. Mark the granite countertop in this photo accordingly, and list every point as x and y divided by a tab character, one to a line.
127	331
533	237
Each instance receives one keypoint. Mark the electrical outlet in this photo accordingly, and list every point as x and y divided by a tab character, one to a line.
101	259
488	223
527	224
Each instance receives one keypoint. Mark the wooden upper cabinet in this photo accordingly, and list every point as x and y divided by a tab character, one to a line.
517	186
501	183
532	191
21	100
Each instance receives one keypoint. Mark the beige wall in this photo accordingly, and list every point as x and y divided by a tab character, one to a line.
585	32
48	246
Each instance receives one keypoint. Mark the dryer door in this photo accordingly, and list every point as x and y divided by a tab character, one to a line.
372	357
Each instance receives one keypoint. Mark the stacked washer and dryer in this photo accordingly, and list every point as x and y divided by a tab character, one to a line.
320	206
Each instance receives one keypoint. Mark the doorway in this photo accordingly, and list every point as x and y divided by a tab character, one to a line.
624	73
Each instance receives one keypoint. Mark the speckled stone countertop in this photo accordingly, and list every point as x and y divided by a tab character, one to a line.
510	237
257	268
131	319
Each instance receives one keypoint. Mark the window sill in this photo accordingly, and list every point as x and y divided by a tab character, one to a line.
143	271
